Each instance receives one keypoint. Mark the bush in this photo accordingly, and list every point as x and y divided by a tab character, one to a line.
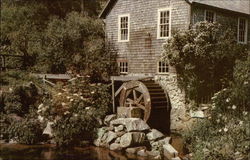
20	99
225	135
27	131
76	109
204	57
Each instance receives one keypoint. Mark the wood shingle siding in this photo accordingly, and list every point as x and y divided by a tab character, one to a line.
144	49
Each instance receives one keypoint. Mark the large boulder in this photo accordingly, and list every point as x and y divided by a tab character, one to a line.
131	124
109	118
158	145
154	134
119	128
115	147
111	136
169	151
48	130
134	150
132	138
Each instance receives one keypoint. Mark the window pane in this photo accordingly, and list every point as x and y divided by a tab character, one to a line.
164	24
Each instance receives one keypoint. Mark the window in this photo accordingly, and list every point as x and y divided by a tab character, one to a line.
123	67
163	23
162	67
242	30
123	35
210	16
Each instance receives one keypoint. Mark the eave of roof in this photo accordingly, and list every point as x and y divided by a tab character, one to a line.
107	8
239	6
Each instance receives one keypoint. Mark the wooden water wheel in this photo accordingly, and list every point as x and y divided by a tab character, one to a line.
151	98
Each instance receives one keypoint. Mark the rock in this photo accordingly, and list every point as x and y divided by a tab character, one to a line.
97	142
153	153
176	158
126	140
156	145
132	124
197	114
134	150
142	153
158	157
119	128
118	140
101	132
133	138
109	118
154	134
119	134
48	130
115	147
12	141
104	137
110	128
169	151
129	112
111	136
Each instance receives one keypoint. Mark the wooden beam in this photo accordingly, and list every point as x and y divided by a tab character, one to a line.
113	94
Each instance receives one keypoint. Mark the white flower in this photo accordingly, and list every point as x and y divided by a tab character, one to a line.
218	120
228	100
234	107
93	92
87	108
75	115
246	83
59	94
68	97
67	112
63	104
240	123
75	94
10	89
245	113
71	100
220	130
225	129
40	106
82	98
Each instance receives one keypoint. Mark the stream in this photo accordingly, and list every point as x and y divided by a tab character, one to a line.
51	152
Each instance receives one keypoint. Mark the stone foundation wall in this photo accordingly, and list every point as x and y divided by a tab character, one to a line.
177	98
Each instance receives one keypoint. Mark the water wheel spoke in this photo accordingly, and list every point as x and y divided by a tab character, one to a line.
140	106
134	94
130	100
140	98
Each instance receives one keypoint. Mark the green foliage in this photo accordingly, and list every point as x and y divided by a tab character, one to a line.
204	57
225	135
21	99
76	109
27	131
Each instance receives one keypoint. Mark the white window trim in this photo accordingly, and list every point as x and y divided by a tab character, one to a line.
158	67
238	30
158	22
123	61
119	27
205	14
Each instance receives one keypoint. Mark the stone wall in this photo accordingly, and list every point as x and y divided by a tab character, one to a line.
177	98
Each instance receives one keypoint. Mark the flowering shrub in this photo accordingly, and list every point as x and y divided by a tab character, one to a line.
204	57
75	110
225	135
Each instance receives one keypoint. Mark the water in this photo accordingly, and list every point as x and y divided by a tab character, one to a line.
50	152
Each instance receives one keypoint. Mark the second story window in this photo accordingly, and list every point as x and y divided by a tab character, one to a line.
163	23
162	67
210	16
242	30
123	30
123	67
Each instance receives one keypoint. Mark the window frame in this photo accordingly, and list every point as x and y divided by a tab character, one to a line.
119	66
168	9
214	15
158	67
119	27
246	30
